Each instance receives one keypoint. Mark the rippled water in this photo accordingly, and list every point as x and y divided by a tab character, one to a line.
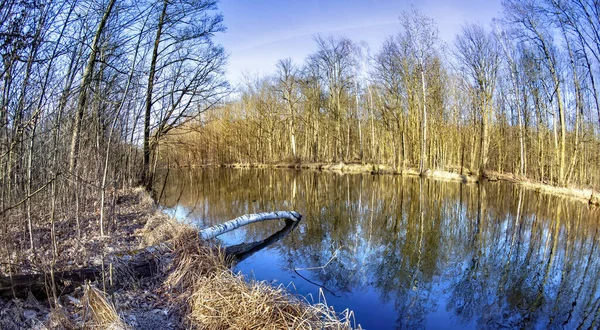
408	253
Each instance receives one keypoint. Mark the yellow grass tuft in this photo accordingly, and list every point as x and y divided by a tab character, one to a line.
193	259
99	312
226	301
160	228
144	197
213	298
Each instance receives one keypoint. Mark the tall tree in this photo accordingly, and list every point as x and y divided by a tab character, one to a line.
287	86
530	17
421	38
85	86
478	53
335	61
190	64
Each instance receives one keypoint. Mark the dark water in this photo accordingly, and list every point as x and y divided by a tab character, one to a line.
406	253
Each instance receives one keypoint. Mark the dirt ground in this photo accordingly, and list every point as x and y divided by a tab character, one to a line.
141	304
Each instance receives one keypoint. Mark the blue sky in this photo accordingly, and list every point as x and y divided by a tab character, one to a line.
259	32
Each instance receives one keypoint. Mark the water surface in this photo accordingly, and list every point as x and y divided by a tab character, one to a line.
403	252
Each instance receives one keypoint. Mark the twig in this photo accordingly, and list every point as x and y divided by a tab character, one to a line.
28	196
325	265
317	284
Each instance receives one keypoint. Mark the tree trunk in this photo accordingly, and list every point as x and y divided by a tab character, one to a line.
146	174
483	144
422	164
68	281
247	219
85	82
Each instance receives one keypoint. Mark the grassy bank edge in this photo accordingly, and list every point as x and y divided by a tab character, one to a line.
193	288
589	196
209	295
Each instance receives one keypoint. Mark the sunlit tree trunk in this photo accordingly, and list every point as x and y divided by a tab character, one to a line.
146	174
84	88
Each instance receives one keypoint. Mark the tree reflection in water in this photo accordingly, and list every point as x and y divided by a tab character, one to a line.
432	253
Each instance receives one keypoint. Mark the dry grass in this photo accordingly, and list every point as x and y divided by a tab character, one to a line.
59	320
199	291
160	228
98	312
212	297
226	301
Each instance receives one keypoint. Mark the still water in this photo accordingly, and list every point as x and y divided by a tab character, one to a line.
408	253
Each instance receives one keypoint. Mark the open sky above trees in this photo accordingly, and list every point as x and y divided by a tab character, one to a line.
456	86
261	32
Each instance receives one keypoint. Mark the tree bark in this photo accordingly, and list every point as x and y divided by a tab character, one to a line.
85	82
247	219
146	174
422	164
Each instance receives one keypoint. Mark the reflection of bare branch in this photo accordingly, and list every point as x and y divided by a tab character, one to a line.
317	284
325	265
162	190
321	286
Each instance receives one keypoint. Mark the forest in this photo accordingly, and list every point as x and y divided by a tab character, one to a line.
98	96
87	90
519	97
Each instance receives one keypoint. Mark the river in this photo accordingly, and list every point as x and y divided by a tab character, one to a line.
402	252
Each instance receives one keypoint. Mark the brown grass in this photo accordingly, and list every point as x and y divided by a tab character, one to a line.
159	229
211	296
98	312
226	301
59	320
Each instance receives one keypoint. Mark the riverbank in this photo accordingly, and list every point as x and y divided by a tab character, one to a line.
589	196
191	285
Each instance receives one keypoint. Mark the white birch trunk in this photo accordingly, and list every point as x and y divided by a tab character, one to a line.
247	219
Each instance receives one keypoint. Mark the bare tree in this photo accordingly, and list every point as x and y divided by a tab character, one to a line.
190	66
287	86
335	61
478	52
421	39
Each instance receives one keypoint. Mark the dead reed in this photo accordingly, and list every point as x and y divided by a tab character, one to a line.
213	297
99	312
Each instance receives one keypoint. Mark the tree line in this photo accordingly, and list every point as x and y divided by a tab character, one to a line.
87	88
519	97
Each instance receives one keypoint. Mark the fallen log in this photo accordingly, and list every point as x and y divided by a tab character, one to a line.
240	252
141	264
20	286
247	219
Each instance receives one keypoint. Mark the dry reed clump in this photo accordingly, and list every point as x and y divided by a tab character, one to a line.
193	259
144	197
212	297
160	228
98	312
226	301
